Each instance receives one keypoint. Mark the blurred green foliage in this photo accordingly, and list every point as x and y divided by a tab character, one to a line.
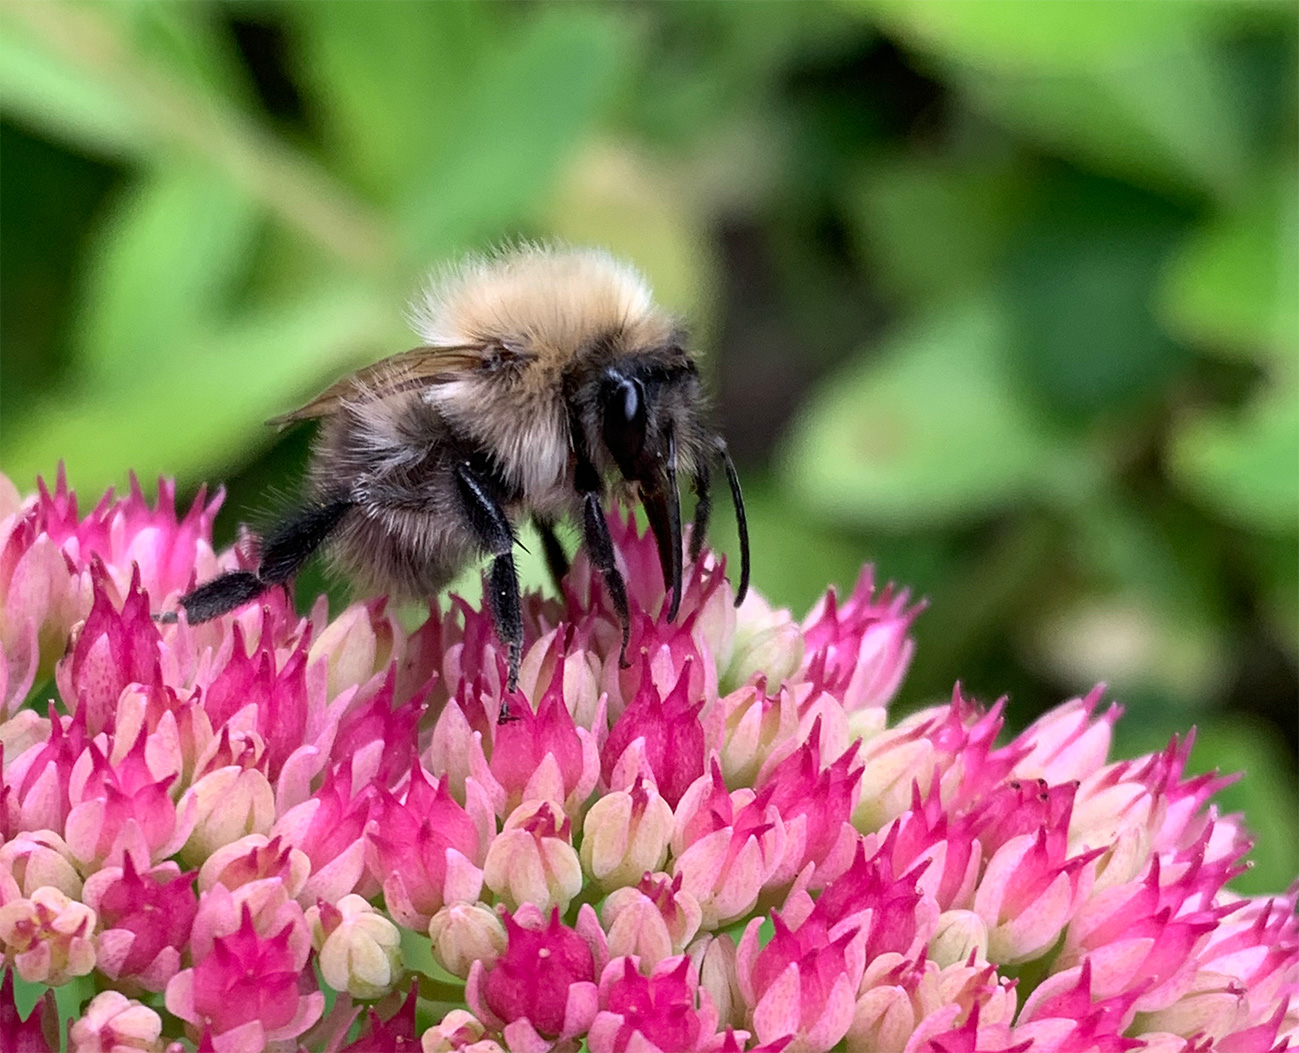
1002	296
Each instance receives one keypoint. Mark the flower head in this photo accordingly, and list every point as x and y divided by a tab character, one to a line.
237	812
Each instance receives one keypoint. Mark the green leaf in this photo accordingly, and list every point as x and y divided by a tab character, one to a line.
51	92
196	412
163	270
1079	284
520	118
1233	288
1135	88
931	228
389	79
618	197
932	431
1265	793
1245	463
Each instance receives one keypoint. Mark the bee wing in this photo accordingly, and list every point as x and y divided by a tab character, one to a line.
416	368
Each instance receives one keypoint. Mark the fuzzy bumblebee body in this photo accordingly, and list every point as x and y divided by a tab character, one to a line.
546	378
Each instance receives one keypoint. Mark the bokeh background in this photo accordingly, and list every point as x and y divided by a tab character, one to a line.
1002	297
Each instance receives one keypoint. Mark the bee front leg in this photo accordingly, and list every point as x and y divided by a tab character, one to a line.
492	527
703	509
599	546
556	559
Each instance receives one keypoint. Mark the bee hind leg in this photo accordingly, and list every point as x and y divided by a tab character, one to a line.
284	552
487	519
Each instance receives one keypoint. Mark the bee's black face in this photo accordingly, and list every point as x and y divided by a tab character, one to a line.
643	408
624	420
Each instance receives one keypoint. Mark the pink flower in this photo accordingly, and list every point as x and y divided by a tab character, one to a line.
397	1034
663	733
543	987
726	847
659	1013
377	740
244	993
122	807
803	983
1031	887
860	651
814	803
112	649
39	1033
114	1023
145	921
424	850
927	888
47	937
544	754
330	828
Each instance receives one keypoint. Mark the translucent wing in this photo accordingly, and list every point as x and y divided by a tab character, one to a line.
416	368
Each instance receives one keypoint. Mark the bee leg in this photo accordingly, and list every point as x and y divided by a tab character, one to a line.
741	523
284	552
490	525
599	546
703	509
556	560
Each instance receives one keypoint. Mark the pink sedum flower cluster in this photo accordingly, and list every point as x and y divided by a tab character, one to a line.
214	832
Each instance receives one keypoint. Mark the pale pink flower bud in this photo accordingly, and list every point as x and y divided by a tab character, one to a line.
231	803
1028	893
48	937
459	1032
958	934
531	860
887	1008
36	859
113	1023
654	920
255	858
625	835
357	645
768	643
714	958
463	933
1067	743
23	730
359	949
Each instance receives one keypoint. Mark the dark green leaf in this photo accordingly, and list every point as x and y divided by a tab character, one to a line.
934	430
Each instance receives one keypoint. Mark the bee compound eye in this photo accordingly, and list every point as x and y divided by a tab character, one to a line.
630	400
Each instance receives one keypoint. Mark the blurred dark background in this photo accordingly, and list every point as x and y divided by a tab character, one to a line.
1000	296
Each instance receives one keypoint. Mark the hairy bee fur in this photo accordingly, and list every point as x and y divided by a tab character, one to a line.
547	381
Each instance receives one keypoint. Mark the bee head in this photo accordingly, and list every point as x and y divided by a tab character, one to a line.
640	418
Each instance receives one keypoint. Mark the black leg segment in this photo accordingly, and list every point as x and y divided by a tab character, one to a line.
284	552
556	558
288	547
492	528
221	595
599	546
703	509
